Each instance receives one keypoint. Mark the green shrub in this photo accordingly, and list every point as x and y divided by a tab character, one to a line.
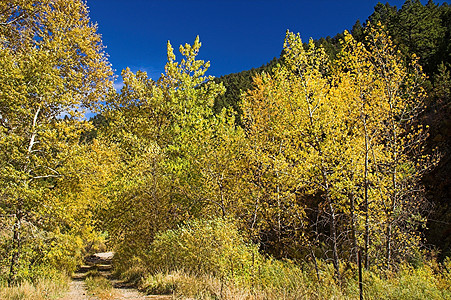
407	283
159	284
207	247
132	275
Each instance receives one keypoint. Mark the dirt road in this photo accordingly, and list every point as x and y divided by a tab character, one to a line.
102	262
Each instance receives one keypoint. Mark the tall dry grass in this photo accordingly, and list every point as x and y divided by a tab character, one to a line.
290	282
41	289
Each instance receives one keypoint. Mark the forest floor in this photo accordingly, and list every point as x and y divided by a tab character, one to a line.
102	262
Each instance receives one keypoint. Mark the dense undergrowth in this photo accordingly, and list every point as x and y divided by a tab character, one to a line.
209	259
291	282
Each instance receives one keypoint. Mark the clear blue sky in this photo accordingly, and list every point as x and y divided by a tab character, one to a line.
236	35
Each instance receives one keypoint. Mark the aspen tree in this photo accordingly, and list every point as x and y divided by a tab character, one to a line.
52	65
178	157
384	97
403	139
297	141
358	83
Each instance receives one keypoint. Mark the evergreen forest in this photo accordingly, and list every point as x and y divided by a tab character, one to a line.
324	174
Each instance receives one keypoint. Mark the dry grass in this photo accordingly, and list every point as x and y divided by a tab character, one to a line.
288	281
185	286
100	287
42	289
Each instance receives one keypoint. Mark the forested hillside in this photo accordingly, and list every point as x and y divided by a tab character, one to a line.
321	175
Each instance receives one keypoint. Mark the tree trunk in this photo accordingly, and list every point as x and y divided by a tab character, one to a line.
333	223
390	213
15	249
16	242
365	199
315	263
388	244
394	195
354	250
333	231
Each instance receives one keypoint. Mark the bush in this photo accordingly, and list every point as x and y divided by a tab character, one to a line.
160	284
210	259
212	247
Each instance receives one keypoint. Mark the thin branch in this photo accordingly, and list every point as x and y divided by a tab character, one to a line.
33	136
46	176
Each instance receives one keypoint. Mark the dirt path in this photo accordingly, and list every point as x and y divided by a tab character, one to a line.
102	262
77	291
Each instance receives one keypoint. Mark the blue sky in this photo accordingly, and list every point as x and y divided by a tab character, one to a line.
235	35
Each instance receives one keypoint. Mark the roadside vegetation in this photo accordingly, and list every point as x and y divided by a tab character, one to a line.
187	271
45	287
